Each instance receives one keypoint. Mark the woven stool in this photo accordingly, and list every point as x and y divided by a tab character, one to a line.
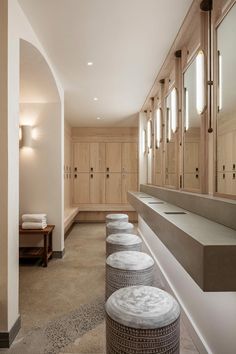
127	268
119	227
117	217
142	319
122	242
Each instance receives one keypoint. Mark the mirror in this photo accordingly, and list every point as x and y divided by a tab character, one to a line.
171	139
158	145
226	116
192	129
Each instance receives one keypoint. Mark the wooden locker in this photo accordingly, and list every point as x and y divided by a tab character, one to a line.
191	157
81	188
97	157
97	188
129	157
113	157
129	183
191	181
113	188
158	179
158	162
81	157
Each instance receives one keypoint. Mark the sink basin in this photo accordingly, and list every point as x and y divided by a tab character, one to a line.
175	212
155	202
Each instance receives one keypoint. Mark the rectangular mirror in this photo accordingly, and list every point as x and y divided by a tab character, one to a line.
226	116
171	120
192	130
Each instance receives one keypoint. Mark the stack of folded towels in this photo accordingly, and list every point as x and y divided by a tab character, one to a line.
34	221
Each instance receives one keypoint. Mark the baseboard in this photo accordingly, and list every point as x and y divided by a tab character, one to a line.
186	317
68	230
7	338
58	254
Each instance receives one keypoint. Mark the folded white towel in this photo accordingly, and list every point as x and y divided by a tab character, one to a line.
34	225
34	217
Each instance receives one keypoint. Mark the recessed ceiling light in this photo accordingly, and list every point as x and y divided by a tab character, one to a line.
95	99
89	63
98	118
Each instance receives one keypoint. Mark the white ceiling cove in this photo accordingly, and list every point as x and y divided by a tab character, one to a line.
127	41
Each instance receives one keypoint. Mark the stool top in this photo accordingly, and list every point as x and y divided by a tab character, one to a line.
143	307
124	239
113	217
120	225
130	260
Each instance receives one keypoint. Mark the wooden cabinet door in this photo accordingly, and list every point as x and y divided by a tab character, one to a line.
81	157
158	160
113	188
192	181
113	157
81	188
191	157
129	183
97	188
129	157
97	157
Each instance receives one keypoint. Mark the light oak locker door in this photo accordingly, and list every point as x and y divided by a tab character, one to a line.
97	188
129	183
97	157
113	157
158	157
129	157
81	188
113	188
191	157
81	157
191	181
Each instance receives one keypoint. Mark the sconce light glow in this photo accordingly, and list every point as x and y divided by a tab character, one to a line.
158	127
200	82
174	110
220	81
144	141
149	134
26	136
168	126
186	109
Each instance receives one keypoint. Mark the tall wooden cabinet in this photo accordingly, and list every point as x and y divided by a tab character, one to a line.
104	172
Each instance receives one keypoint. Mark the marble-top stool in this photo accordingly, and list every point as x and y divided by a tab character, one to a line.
119	227
117	217
127	268
122	242
142	319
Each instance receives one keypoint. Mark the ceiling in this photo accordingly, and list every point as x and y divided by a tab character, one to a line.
127	41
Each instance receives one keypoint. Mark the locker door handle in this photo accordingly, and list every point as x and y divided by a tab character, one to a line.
91	176
107	169
196	169
233	175
223	176
234	166
196	176
223	167
75	169
91	168
75	176
107	176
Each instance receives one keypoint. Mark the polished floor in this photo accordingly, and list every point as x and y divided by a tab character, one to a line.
62	306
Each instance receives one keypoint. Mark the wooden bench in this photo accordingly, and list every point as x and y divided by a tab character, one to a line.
69	217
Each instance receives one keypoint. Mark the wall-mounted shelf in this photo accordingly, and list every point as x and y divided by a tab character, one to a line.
205	249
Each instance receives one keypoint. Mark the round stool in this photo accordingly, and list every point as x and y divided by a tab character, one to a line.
117	217
142	319
122	242
119	227
127	268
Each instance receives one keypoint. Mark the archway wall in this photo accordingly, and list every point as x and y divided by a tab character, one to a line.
14	27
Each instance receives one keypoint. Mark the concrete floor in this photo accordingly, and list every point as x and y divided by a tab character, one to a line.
62	306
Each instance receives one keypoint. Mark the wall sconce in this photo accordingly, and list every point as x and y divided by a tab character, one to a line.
149	134
174	110
26	135
144	141
168	125
200	82
219	81
186	109
158	127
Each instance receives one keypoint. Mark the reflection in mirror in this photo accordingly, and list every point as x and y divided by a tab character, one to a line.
144	141
192	125
158	152
171	139
149	135
226	117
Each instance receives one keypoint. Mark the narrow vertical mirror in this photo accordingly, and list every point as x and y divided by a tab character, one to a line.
171	122
193	106
158	152
226	116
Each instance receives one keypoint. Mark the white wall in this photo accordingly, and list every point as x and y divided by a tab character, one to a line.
40	168
15	26
209	317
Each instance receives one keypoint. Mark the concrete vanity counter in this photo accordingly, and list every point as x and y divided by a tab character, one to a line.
206	249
